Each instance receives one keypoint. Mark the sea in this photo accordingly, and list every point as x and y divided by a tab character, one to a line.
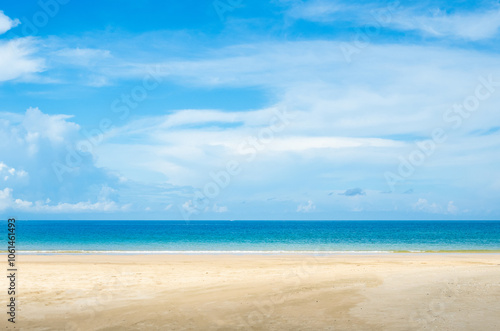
254	237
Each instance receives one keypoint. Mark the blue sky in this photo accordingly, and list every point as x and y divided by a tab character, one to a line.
235	109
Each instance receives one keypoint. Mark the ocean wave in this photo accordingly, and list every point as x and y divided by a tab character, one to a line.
198	252
244	252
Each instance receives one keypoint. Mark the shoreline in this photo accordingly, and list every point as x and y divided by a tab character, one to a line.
244	260
251	253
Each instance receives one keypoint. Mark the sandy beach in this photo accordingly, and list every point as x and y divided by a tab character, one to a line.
250	292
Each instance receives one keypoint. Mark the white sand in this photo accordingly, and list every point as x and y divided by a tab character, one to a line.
228	292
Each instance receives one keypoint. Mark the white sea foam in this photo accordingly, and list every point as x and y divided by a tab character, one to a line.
219	252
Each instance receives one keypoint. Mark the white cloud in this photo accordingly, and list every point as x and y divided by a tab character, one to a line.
219	209
55	128
17	60
29	145
426	206
452	209
84	206
10	173
306	208
188	205
190	208
471	26
5	198
352	124
82	56
26	134
483	23
370	100
7	201
7	23
106	193
305	143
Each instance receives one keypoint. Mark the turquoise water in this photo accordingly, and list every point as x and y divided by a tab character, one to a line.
256	236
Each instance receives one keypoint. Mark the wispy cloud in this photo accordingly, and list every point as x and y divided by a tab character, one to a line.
214	100
82	56
8	174
306	207
482	23
18	60
425	206
6	23
7	201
